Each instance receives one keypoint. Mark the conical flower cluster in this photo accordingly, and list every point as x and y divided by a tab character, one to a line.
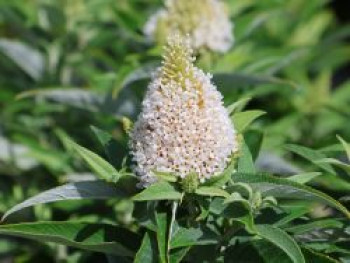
183	127
206	22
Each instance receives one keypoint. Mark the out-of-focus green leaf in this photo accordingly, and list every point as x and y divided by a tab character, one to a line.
74	97
31	61
304	177
345	145
242	120
311	155
238	105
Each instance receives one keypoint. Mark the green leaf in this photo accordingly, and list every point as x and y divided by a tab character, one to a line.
109	144
158	191
242	120
293	213
101	167
323	223
254	140
95	237
304	177
73	191
227	81
148	250
282	240
31	61
177	255
240	211
211	191
317	257
245	161
237	106
187	237
335	162
74	97
169	177
162	227
221	179
311	155
284	188
345	145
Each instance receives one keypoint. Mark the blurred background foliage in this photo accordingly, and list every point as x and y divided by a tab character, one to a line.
66	65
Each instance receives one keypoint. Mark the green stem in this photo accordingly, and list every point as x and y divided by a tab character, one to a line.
171	225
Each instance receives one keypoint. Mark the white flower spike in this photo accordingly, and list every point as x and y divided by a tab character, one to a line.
183	127
206	22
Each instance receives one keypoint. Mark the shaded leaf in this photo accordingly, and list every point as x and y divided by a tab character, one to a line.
31	61
95	237
284	188
282	240
311	155
148	250
186	237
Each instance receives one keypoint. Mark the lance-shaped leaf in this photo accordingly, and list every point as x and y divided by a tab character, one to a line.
242	120
346	146
148	251
311	155
73	97
103	169
282	240
186	237
158	191
72	191
94	237
284	188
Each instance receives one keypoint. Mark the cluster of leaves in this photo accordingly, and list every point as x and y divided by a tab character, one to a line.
67	65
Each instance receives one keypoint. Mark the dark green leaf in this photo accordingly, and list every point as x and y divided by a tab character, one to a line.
95	237
282	240
186	237
284	188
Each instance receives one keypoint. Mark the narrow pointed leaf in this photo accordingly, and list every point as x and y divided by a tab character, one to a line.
284	188
243	119
72	191
211	191
282	240
158	191
311	155
94	237
148	250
